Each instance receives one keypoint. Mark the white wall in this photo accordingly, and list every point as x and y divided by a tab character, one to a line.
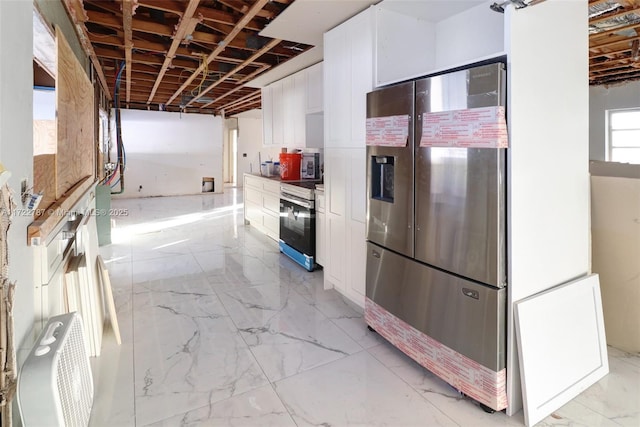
169	153
16	149
250	143
602	99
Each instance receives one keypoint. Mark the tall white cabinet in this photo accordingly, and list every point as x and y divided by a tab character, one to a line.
348	76
548	179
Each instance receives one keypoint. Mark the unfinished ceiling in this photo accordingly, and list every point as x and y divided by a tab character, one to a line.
614	38
199	55
194	55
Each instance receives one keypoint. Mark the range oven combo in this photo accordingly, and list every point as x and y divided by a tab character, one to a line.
298	223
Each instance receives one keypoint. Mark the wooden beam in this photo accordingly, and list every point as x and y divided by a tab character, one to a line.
610	53
145	26
143	59
613	43
241	7
127	17
78	19
107	6
171	6
596	2
186	26
256	55
627	70
222	45
218	98
220	17
241	83
161	48
250	76
611	65
248	97
207	14
244	107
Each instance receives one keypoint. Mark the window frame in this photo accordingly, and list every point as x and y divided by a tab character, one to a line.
609	140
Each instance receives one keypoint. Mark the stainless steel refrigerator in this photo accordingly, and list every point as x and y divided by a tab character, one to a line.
436	225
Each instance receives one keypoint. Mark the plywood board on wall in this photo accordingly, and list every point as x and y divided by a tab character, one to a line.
44	161
75	157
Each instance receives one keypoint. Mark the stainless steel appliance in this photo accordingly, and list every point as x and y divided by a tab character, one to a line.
436	227
298	223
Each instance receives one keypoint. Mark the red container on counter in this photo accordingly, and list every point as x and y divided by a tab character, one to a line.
290	166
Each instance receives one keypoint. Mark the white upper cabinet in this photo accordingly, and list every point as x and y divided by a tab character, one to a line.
348	73
417	38
298	109
314	88
288	110
284	113
267	111
278	113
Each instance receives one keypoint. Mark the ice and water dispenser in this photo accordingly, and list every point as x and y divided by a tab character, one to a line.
382	181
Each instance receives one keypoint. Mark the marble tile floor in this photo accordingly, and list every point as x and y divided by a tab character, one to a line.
219	329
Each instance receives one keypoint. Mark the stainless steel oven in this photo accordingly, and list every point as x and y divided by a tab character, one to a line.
298	223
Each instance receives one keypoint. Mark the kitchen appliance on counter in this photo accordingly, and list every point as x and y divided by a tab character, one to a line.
310	166
298	222
436	232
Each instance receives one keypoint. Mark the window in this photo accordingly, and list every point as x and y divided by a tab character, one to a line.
624	136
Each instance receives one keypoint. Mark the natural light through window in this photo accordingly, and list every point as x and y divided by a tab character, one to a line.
624	136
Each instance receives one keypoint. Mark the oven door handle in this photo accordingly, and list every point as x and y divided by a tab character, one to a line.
304	204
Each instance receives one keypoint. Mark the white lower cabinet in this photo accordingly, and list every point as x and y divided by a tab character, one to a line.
262	204
357	248
320	228
336	251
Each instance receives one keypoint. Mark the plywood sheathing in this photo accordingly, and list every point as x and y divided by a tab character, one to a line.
68	170
75	114
44	162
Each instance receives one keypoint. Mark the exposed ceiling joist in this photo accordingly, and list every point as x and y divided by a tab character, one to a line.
184	30
614	27
258	5
78	16
253	57
127	17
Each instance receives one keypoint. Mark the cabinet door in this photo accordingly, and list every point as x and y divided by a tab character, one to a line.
288	91
335	250
298	113
314	88
337	88
320	238
278	113
267	116
357	262
361	36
